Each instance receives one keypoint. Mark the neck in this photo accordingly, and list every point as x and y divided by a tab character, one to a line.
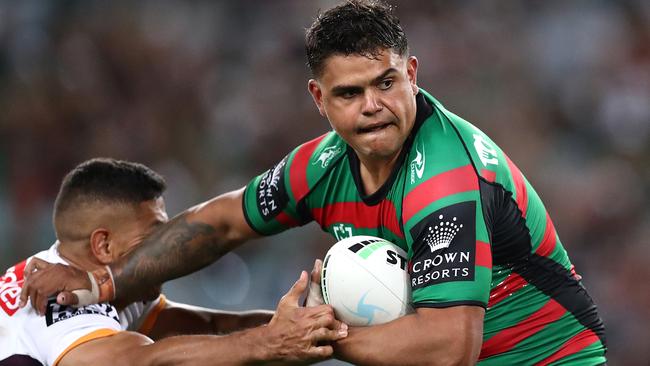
375	172
79	255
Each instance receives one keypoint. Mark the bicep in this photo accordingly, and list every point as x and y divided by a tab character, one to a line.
105	351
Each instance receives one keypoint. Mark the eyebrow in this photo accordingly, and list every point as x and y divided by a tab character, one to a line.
343	89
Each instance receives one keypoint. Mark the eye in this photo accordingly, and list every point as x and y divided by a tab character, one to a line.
385	84
349	94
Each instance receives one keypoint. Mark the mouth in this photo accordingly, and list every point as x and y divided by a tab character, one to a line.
374	127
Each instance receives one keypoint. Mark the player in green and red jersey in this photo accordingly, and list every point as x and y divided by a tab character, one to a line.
475	231
491	281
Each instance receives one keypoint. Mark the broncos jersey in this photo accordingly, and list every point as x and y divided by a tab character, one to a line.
475	231
27	338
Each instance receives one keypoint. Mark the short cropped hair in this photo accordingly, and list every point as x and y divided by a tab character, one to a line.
110	181
356	27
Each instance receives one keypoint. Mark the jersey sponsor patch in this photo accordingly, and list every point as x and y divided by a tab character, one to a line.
56	313
10	286
271	194
444	246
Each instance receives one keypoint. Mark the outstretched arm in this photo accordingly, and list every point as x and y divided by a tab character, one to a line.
192	240
177	318
292	335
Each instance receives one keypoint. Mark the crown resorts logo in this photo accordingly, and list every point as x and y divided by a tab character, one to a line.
441	235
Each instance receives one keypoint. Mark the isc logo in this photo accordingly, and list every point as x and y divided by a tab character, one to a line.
10	285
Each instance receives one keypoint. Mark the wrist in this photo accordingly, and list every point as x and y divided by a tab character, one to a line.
261	345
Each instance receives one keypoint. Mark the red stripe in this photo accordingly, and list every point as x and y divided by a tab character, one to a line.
508	338
520	187
361	215
286	220
454	181
574	345
510	285
483	254
547	245
489	175
298	169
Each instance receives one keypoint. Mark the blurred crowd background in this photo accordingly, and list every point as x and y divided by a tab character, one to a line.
211	93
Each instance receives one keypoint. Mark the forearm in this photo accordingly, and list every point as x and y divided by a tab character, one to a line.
413	340
190	241
178	319
241	348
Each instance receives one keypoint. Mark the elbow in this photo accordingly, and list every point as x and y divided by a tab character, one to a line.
461	350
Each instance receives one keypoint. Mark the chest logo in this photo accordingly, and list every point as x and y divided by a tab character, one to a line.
486	152
417	164
342	231
327	155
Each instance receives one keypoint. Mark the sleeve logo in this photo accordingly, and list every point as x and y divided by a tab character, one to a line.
271	194
10	286
444	246
56	313
486	152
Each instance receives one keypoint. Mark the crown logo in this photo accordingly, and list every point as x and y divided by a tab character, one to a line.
441	235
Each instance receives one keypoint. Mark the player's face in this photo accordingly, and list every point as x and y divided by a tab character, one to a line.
369	101
137	224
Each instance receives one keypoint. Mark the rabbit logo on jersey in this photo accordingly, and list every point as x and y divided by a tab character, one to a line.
444	246
271	195
417	164
327	155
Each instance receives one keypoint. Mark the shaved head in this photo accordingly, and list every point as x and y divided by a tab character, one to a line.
102	192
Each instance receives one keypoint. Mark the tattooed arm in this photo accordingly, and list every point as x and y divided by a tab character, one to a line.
192	240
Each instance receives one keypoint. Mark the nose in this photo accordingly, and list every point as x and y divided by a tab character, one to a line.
371	104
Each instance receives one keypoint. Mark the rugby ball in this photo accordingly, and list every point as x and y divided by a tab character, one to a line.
366	281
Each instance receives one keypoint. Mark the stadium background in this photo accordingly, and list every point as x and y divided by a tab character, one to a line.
211	93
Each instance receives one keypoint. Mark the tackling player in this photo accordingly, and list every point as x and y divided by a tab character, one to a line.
491	280
103	210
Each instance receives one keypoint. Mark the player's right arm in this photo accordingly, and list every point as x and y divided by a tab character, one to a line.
292	335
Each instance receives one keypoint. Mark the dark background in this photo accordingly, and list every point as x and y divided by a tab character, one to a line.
212	93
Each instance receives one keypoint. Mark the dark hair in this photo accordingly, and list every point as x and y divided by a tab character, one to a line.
108	180
354	27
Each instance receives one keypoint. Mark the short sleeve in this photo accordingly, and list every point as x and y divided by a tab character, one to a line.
63	328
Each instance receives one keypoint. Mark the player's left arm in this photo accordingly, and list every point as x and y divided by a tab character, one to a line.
178	318
430	336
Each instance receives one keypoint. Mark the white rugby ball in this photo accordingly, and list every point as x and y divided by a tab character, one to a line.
366	281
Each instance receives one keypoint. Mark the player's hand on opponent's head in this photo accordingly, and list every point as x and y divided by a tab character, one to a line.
303	333
314	293
44	279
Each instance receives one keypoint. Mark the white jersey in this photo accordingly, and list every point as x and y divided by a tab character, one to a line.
27	338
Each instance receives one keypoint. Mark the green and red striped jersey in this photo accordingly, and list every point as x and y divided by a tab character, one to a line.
475	231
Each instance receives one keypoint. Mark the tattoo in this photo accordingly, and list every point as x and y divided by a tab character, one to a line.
173	250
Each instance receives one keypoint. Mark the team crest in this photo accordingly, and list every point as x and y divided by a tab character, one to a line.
327	155
486	152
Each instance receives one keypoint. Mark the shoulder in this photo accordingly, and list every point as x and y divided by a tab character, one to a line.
483	153
311	161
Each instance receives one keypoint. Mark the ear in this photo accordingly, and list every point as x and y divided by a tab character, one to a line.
412	72
317	95
100	245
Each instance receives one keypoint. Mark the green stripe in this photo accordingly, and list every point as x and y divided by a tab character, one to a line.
593	354
513	310
371	248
